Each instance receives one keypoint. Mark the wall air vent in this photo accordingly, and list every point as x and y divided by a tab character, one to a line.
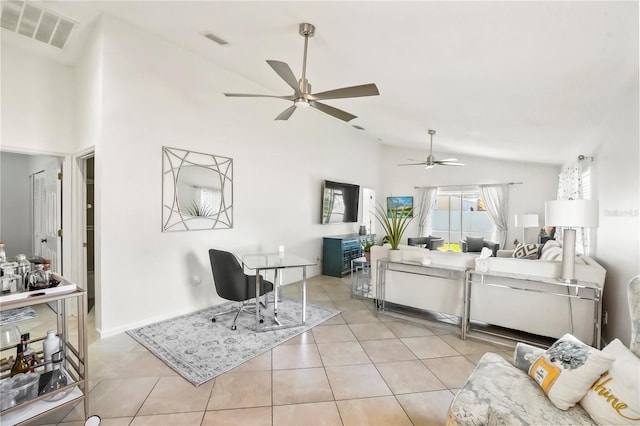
37	23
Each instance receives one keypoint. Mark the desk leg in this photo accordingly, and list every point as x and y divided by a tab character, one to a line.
277	281
304	294
257	299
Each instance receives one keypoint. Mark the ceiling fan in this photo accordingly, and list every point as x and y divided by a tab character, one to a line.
431	161
302	96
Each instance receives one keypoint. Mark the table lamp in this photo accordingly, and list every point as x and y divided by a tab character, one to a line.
525	221
570	214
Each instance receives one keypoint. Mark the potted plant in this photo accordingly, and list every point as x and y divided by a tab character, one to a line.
394	220
366	248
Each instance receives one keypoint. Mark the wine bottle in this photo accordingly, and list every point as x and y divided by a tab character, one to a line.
20	365
29	354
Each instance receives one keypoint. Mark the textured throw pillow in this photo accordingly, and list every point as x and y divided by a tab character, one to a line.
549	245
566	370
475	244
554	253
526	251
614	399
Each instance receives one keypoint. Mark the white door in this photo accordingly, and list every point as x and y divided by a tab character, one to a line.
47	220
368	209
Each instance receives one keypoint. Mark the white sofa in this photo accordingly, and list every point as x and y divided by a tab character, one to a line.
432	293
537	313
529	311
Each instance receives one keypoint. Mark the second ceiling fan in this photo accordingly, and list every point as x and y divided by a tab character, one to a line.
431	161
302	96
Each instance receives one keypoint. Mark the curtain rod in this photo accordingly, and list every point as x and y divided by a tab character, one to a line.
457	186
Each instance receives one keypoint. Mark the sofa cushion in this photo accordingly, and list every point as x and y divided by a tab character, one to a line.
496	385
613	398
526	251
475	244
566	370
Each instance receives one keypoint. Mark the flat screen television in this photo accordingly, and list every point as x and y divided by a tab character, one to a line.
339	202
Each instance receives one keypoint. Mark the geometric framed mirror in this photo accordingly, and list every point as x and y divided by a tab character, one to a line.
197	191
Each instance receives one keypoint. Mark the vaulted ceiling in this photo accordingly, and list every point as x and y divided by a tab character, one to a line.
515	80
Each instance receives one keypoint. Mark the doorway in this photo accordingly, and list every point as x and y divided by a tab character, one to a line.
89	232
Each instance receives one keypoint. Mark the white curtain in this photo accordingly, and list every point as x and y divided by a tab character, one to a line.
570	187
496	201
427	195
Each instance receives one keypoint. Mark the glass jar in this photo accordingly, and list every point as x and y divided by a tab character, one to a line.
37	279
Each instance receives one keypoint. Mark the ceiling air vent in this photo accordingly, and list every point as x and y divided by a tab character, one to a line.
37	23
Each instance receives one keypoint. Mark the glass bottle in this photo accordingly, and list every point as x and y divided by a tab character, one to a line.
50	345
20	365
29	354
46	267
3	254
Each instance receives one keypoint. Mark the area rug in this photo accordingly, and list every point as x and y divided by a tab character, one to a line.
17	314
200	350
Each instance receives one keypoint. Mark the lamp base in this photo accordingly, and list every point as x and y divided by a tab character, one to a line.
568	256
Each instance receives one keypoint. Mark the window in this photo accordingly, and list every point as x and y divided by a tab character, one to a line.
458	214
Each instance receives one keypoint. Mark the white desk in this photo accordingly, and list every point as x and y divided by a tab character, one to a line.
273	261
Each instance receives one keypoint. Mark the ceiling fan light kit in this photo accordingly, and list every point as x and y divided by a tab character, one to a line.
302	96
431	161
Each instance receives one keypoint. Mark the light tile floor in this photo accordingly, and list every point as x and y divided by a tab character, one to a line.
355	369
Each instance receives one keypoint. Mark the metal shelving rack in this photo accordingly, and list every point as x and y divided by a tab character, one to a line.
75	363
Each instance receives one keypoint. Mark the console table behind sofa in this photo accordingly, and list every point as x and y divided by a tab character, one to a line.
532	303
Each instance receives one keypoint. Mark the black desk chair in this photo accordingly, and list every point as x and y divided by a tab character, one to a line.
233	284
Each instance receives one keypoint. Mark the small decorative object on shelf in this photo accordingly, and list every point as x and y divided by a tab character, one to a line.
20	365
50	345
54	380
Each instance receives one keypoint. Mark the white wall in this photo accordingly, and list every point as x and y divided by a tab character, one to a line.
154	95
41	95
15	217
539	182
617	185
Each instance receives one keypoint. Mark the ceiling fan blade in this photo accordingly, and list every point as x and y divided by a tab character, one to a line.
443	163
347	92
448	160
252	95
284	115
285	73
414	164
335	112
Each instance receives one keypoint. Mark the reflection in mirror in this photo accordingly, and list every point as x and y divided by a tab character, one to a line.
197	190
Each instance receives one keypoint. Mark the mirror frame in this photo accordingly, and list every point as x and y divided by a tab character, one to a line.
175	218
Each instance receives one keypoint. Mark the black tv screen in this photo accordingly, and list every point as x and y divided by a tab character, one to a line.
339	202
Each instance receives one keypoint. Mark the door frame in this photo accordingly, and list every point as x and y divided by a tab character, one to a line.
67	230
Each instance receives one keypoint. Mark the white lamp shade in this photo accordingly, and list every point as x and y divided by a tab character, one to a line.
572	213
527	221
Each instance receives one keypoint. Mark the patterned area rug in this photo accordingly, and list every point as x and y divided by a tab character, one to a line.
18	314
200	350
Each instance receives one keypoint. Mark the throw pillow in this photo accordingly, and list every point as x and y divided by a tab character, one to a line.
475	244
566	370
526	251
554	253
549	245
613	398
